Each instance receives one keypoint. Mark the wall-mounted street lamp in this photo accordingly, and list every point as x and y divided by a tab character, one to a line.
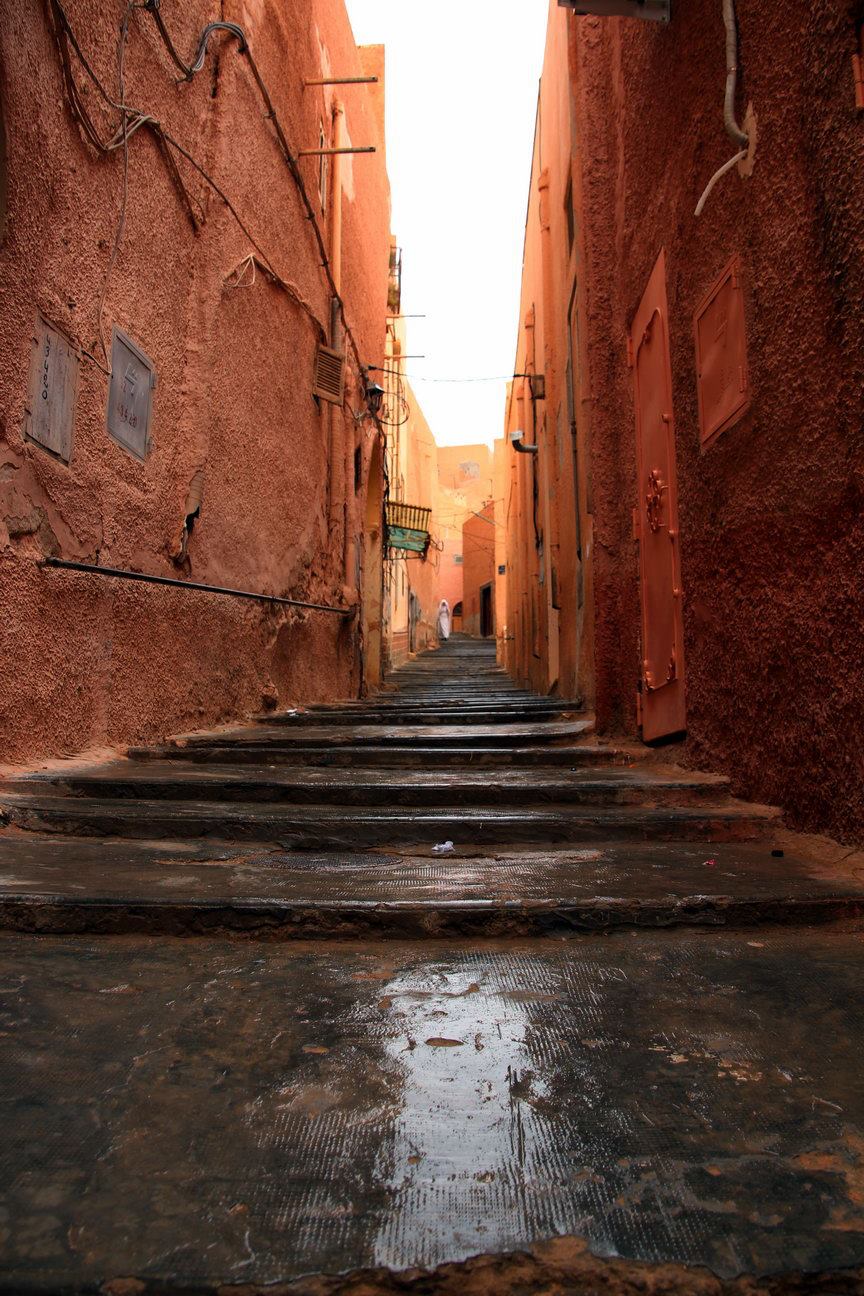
374	397
518	442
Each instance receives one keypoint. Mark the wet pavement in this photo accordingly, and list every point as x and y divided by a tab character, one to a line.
255	1031
68	885
201	1112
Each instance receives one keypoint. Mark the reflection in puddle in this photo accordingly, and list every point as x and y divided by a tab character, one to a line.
475	1156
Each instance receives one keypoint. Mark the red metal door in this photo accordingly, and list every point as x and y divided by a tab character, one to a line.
656	516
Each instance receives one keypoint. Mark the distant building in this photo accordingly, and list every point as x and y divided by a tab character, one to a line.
478	572
465	483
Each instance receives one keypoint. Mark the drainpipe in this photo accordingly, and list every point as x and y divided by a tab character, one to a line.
349	567
338	517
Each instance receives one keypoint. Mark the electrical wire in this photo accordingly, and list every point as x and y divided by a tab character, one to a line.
153	7
132	120
121	218
718	175
423	377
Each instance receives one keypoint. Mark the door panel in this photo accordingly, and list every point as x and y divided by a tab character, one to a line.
663	703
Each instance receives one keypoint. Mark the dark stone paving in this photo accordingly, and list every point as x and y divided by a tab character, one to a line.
327	827
362	786
188	1111
212	1113
48	884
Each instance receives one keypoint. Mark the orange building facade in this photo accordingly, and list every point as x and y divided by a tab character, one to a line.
684	546
465	483
478	573
411	579
545	640
168	276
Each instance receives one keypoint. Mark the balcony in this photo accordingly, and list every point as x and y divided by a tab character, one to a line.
407	527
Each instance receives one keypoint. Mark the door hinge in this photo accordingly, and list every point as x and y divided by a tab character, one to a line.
630	355
639	708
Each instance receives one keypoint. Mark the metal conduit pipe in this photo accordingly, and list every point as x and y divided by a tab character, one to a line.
338	484
733	130
121	573
730	121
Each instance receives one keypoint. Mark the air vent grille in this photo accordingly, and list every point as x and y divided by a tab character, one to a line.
329	375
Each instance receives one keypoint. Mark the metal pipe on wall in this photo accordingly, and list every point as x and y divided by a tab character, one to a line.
337	422
733	130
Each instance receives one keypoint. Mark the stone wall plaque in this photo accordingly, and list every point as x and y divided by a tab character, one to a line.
130	395
50	415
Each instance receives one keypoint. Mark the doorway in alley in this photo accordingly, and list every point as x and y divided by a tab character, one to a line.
487	626
656	516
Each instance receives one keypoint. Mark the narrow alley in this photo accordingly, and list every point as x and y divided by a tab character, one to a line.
431	686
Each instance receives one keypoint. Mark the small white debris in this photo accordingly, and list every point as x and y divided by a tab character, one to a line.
443	848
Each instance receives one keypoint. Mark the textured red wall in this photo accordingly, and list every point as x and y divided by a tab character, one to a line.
771	515
85	661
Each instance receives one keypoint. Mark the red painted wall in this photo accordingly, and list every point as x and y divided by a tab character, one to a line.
771	515
85	661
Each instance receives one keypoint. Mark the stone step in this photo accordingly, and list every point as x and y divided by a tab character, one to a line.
328	827
152	781
392	756
406	715
285	736
57	884
451	691
356	711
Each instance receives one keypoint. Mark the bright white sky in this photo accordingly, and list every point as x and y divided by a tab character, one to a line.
462	80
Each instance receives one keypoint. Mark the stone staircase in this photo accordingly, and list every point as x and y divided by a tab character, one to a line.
322	812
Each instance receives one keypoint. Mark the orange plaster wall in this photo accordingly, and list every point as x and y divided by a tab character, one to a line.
85	661
414	456
546	643
478	549
465	482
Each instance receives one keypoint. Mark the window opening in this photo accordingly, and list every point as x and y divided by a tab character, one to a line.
570	214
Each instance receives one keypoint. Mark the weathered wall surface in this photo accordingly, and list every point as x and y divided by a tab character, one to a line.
501	487
421	488
85	661
547	644
771	518
412	582
478	568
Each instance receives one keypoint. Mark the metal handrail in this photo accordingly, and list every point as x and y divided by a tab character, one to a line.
120	573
